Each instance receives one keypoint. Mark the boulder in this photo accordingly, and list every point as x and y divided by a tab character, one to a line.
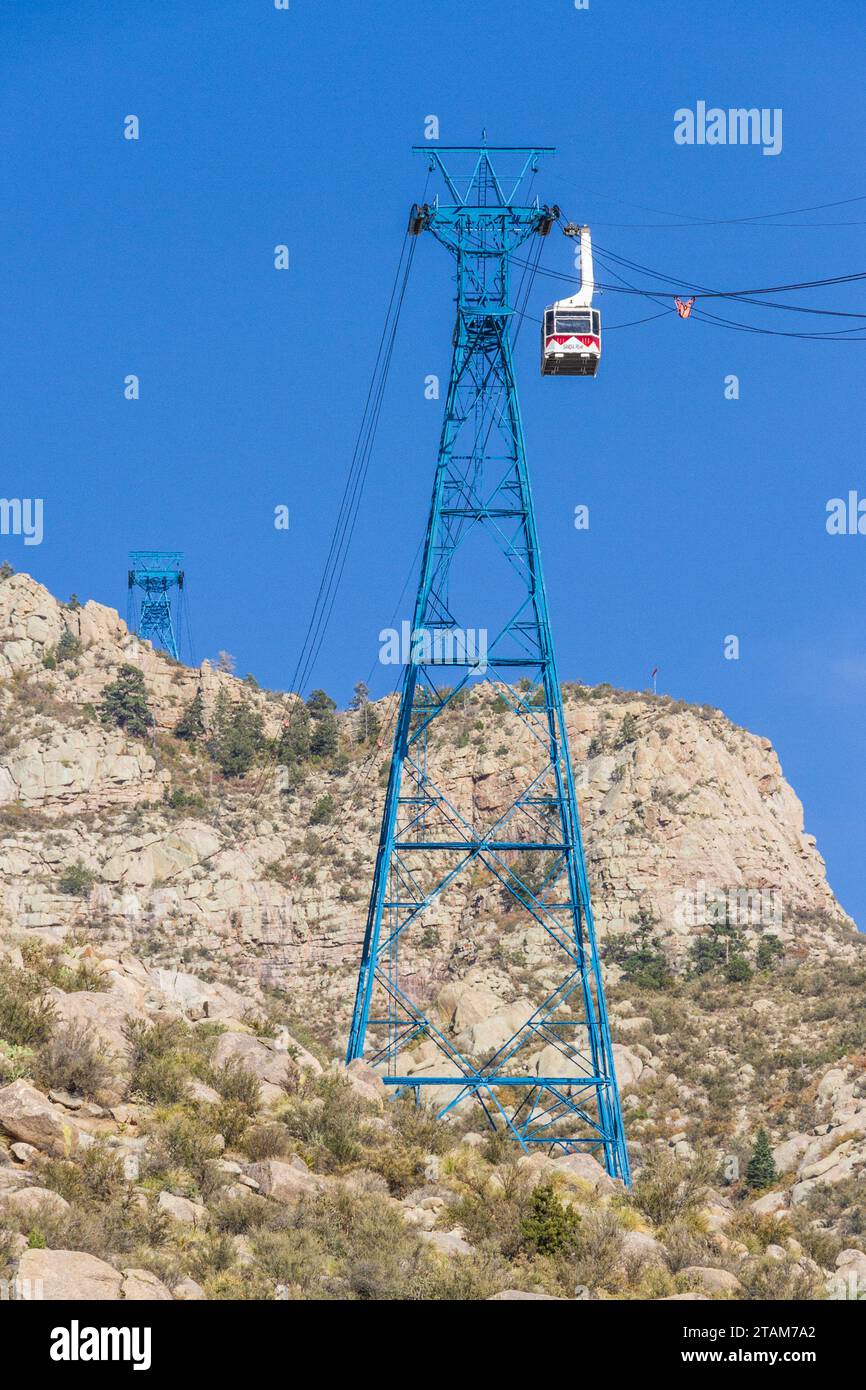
490	1033
770	1203
102	1015
628	1065
143	1287
285	1182
66	1275
584	1168
26	1115
365	1082
262	1057
30	1201
787	1155
462	1005
848	1260
713	1281
197	998
447	1242
182	1209
188	1291
639	1247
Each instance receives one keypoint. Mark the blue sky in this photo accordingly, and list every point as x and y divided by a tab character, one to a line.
261	127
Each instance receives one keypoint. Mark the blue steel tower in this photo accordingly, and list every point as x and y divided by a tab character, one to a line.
481	614
156	573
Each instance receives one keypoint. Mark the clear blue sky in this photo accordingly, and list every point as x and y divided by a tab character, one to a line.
260	127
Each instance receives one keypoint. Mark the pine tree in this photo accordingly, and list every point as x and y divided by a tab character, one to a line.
237	736
293	745
191	723
68	647
124	702
360	703
325	733
761	1170
627	731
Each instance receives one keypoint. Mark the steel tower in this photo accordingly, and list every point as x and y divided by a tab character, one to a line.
481	613
156	573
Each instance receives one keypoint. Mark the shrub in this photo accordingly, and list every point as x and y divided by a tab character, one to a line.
550	1228
159	1063
266	1141
26	1018
124	702
599	1250
322	812
667	1187
738	970
293	745
328	1120
235	1082
770	949
76	880
640	957
190	1142
72	1060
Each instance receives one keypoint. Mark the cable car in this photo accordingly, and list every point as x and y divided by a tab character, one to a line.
571	329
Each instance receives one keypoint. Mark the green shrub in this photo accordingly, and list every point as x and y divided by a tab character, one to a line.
322	812
738	970
549	1228
76	880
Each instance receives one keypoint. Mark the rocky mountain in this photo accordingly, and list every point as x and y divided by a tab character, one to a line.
183	882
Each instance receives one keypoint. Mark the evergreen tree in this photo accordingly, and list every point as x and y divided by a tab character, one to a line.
640	956
237	736
738	970
124	702
374	724
293	745
360	703
325	733
627	731
68	647
770	949
761	1170
191	723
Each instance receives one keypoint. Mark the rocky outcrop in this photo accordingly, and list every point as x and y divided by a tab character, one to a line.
26	1115
70	1275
